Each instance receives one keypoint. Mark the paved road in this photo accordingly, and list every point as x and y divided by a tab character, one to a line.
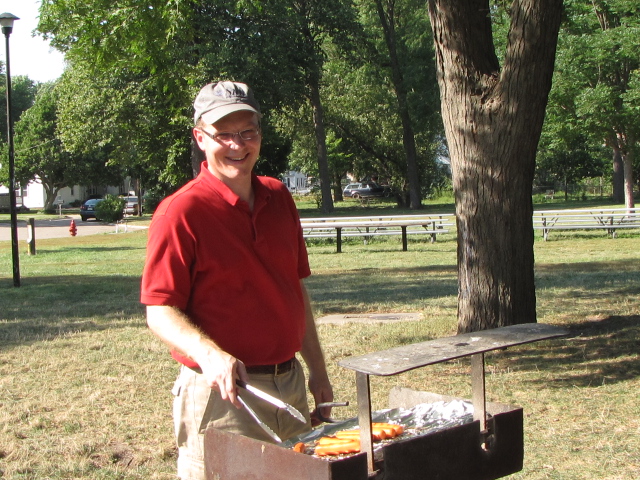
59	227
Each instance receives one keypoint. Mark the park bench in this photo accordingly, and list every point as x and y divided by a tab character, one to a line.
609	220
368	200
373	226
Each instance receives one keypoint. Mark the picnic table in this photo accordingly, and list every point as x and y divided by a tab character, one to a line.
379	225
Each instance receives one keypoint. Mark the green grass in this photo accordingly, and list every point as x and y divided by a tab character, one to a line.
84	386
387	206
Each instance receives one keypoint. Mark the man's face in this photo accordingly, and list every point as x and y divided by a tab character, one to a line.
230	157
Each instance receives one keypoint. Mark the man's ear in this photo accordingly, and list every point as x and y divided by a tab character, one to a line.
198	136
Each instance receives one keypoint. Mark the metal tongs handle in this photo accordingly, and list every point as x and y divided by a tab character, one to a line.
272	400
322	418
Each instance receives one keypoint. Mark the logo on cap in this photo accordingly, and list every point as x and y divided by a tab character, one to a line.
218	100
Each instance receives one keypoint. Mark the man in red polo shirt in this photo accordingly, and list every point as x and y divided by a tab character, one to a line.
223	285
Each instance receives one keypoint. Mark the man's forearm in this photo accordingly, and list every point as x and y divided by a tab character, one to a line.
175	329
319	384
311	350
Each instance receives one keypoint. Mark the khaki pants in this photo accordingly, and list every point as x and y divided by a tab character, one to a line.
196	406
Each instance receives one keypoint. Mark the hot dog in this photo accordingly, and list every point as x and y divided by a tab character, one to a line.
299	447
376	434
323	441
337	446
379	431
348	441
391	429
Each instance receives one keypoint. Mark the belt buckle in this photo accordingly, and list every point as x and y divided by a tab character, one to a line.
281	366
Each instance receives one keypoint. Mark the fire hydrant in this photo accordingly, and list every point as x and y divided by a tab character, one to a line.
72	228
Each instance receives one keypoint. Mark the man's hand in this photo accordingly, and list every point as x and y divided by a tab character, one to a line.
221	371
322	392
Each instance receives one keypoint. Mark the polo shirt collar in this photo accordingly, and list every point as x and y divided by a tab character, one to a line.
261	193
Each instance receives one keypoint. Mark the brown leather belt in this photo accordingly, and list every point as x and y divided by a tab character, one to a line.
278	369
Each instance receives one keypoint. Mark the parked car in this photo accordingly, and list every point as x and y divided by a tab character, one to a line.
370	189
131	207
88	209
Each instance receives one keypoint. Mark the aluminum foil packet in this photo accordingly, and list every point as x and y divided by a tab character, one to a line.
421	419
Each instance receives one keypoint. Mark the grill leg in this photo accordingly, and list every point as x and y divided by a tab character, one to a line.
364	418
478	391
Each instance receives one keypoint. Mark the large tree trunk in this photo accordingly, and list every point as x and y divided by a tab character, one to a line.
387	20
627	161
623	159
493	118
321	143
618	176
337	187
50	193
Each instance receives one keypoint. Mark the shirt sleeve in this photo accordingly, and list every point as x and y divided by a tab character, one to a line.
166	279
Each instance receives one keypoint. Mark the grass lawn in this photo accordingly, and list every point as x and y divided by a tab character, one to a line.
84	386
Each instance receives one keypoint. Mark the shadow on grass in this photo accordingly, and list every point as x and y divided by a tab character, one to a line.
47	307
85	250
355	291
597	352
585	268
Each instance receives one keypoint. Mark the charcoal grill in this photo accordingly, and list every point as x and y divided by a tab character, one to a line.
488	448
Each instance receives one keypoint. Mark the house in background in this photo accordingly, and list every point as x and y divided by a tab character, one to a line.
296	182
33	195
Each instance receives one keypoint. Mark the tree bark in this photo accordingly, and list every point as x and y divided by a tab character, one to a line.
493	118
627	162
623	159
337	186
50	193
321	143
618	176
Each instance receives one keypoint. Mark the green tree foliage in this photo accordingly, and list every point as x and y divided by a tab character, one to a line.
23	94
399	78
309	28
569	160
597	78
135	68
130	79
168	50
361	105
40	154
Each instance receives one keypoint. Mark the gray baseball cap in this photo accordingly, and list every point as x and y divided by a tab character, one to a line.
217	100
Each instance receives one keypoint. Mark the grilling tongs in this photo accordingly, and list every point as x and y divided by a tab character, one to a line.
263	425
272	400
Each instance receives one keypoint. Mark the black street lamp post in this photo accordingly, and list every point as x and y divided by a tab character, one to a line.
6	21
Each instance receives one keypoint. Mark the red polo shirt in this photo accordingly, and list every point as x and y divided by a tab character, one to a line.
235	272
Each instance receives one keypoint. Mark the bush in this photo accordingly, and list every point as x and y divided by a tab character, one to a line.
111	209
151	200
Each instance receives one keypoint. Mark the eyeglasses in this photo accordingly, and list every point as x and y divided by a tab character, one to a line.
228	137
